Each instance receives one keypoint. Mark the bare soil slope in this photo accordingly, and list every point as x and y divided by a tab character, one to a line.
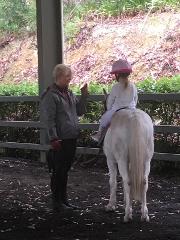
150	42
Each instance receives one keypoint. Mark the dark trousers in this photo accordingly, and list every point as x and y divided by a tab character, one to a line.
59	163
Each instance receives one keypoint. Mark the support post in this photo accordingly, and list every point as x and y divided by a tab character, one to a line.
50	46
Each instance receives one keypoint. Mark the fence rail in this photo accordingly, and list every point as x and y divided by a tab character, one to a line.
81	150
83	126
14	99
159	97
169	97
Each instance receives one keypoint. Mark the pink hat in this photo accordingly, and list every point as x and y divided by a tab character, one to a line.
121	66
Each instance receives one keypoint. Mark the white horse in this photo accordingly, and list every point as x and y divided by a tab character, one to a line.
129	147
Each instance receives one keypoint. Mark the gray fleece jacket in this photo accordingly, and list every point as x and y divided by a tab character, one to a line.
60	113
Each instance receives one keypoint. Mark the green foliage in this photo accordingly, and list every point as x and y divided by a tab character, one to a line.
23	89
164	85
19	112
94	88
20	15
17	15
71	29
28	111
31	17
114	7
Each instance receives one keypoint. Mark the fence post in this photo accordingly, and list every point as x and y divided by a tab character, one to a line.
50	46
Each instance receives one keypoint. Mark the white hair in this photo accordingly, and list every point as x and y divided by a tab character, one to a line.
60	69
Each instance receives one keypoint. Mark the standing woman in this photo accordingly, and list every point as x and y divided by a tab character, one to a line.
61	109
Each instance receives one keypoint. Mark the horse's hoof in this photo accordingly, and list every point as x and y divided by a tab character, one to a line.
145	219
128	219
110	208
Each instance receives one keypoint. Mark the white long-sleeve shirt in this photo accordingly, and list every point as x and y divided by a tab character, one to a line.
121	97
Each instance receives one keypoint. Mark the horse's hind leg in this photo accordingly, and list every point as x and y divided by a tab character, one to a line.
112	165
144	209
123	169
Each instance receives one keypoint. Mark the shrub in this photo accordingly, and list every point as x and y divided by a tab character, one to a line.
164	85
28	111
17	15
22	89
19	112
20	15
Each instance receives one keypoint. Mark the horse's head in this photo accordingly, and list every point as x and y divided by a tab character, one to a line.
105	99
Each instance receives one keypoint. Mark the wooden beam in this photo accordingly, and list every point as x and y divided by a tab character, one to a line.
160	97
49	38
89	126
82	150
169	97
157	156
145	97
50	45
13	99
167	157
22	124
158	129
83	126
27	146
88	151
167	129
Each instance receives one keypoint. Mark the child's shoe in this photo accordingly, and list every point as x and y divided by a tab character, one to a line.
96	137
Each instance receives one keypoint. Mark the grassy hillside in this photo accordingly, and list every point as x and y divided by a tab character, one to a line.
76	11
147	33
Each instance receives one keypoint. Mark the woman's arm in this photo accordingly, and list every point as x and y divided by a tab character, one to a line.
49	113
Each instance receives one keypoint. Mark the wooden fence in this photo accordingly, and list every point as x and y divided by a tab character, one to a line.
84	150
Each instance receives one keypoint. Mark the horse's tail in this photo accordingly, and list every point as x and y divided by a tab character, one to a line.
137	151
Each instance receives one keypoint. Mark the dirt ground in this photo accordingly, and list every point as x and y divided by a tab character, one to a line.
25	210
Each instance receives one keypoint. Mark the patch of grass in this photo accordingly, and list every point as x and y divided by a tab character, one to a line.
71	29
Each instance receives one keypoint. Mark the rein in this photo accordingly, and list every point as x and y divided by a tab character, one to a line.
121	109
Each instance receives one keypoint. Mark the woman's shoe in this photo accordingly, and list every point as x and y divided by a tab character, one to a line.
72	206
58	207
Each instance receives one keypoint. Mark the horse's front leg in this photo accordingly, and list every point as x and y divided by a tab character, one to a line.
112	182
144	209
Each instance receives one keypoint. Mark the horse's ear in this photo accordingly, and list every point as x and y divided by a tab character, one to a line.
105	93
